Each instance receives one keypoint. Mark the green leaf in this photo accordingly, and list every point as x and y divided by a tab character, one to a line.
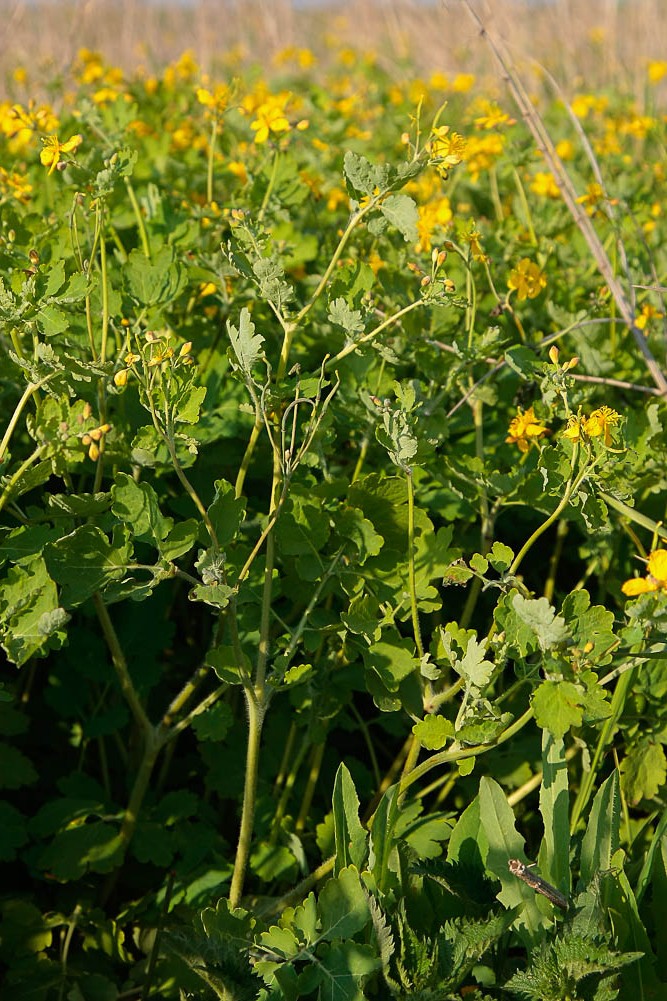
31	620
602	835
473	666
643	771
364	617
401	212
554	857
96	846
16	770
188	403
246	344
433	732
505	843
84	562
549	628
343	905
558	706
226	512
392	662
500	557
383	855
214	723
153	282
343	967
351	320
137	505
179	540
350	836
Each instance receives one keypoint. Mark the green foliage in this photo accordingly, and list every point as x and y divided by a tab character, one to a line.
319	597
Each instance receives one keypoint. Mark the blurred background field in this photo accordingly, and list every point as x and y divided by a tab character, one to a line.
585	44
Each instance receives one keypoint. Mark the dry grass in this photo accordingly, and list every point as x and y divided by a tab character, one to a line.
584	43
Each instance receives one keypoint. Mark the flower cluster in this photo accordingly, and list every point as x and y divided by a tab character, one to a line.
598	424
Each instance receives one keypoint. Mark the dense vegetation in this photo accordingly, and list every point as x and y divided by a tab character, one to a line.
333	581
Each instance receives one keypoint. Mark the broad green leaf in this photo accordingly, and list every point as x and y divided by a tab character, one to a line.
554	857
506	843
94	847
549	628
557	706
392	662
364	617
31	619
468	844
226	512
401	212
156	281
602	835
500	557
343	905
137	505
84	562
433	732
350	835
280	943
214	723
343	966
643	771
179	540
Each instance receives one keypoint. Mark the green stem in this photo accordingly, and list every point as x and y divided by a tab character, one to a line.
16	476
255	721
313	776
139	217
211	154
570	487
120	666
412	578
29	391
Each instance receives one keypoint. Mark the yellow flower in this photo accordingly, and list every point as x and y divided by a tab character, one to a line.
656	70
598	425
490	116
482	152
648	312
472	238
524	429
655	579
600	422
270	119
527	279
53	148
544	183
449	148
463	82
573	429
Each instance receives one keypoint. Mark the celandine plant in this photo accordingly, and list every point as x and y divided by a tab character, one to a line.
333	566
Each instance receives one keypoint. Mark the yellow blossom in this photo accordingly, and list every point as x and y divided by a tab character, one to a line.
600	422
655	579
433	216
488	115
270	118
463	82
481	152
472	238
53	148
656	70
648	312
544	183
565	149
526	279
448	148
524	429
